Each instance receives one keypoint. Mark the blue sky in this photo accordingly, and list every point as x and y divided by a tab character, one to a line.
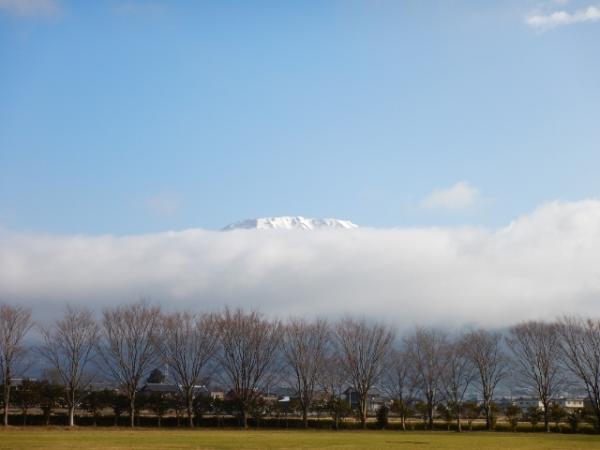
130	117
123	119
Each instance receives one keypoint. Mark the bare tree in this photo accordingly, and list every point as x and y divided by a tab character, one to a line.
580	351
484	349
305	347
126	347
15	322
536	350
457	377
333	381
426	352
363	349
249	346
398	382
68	347
187	342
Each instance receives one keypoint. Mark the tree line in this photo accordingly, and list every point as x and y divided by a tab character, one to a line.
246	352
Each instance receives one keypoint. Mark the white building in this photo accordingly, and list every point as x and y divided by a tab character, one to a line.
570	404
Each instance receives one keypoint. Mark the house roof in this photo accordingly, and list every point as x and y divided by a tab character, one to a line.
170	388
160	387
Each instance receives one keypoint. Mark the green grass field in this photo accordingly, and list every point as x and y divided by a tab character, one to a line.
56	438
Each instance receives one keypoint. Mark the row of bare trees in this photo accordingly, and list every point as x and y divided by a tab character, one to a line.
543	358
436	368
248	353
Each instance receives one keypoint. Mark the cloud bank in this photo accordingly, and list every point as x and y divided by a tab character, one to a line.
563	18
543	264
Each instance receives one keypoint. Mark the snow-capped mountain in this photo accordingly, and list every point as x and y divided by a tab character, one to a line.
290	223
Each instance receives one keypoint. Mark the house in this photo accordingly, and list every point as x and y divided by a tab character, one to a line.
525	403
162	388
269	398
570	404
217	395
17	383
374	400
102	386
502	403
170	389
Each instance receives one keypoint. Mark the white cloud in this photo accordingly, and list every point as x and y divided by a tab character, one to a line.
563	18
30	8
163	204
460	196
542	265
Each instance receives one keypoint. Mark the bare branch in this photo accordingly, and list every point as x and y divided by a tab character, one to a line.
426	352
186	343
249	346
305	347
127	345
457	377
363	349
484	349
15	322
580	351
68	347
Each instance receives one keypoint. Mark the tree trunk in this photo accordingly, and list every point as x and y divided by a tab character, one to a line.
430	415
403	422
159	421
488	415
458	414
71	405
132	411
190	411
305	416
244	418
362	405
6	398
546	417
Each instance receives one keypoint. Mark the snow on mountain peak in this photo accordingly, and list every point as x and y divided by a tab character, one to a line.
290	223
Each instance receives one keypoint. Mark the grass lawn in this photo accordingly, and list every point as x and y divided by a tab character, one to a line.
84	438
